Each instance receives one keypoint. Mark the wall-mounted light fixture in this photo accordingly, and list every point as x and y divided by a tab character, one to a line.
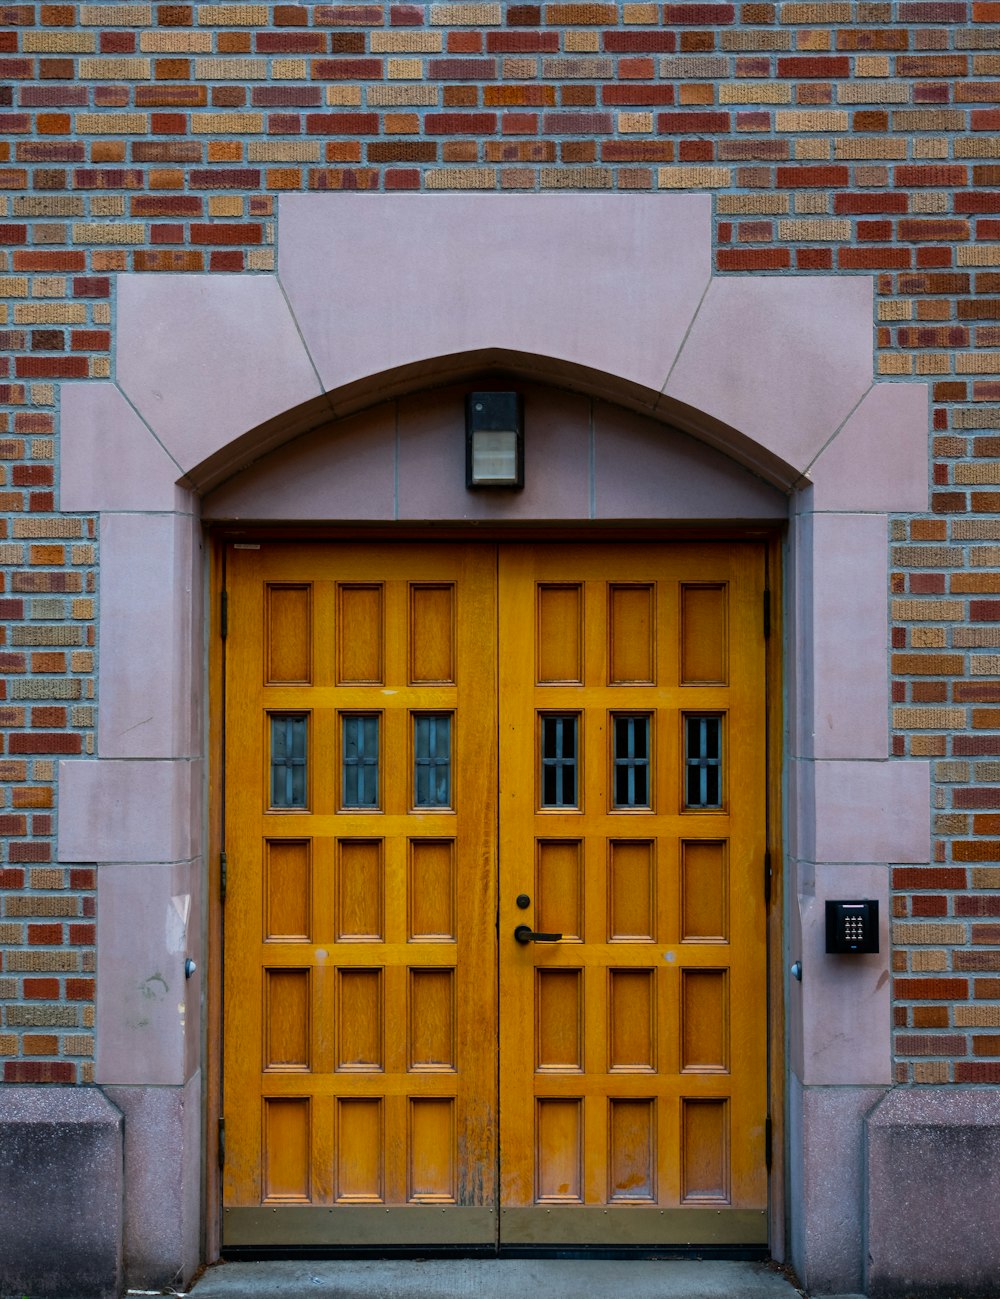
494	439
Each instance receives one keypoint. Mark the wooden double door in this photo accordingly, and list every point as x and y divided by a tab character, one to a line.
494	928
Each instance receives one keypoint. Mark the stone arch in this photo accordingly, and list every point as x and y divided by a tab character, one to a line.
378	294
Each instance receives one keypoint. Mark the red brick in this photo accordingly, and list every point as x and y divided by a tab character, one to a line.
802	177
41	989
347	69
39	1071
932	989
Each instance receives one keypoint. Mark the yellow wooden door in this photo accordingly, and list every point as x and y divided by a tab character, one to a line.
360	939
370	1095
633	1097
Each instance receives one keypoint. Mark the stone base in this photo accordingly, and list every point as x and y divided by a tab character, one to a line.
61	1190
933	1192
162	1182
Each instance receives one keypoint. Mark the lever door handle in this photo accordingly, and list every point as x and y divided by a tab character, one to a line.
525	934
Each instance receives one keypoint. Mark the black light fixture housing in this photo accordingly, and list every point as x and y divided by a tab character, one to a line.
494	440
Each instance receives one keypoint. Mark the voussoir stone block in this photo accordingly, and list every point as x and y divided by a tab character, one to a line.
61	1185
933	1192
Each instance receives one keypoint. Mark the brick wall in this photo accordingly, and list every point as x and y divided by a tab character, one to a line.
833	137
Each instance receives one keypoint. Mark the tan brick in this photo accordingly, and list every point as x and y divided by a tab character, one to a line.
755	92
859	147
929	611
692	68
466	15
232	15
895	309
55	42
344	96
230	69
894	363
48	286
50	527
227	123
31	961
113	70
873	92
927	962
814	231
112	123
751	40
93	232
930	147
572	69
821	120
815	148
928	637
415	42
107	205
928	933
873	65
11	933
986	877
116	15
693	177
986	146
405	69
931	1071
645	15
928	119
978	471
283	151
40	313
752	204
400	96
978	417
289	69
976	637
260	259
575	178
978	362
635	123
928	719
581	42
520	69
41	905
39	205
173	40
977	1016
822	14
14	286
460	178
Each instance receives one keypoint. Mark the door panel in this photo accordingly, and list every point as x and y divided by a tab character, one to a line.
634	1067
370	777
360	964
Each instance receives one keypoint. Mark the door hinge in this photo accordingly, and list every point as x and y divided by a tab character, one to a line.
767	613
223	875
767	877
224	615
768	1131
222	1143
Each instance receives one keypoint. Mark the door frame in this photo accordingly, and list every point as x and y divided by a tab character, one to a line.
217	538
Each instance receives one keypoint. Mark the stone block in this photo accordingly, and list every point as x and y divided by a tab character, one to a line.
933	1188
61	1185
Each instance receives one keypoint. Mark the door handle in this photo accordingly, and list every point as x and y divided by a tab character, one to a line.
525	934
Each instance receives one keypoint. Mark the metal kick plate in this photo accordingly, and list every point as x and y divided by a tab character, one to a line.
359	1225
633	1225
376	1226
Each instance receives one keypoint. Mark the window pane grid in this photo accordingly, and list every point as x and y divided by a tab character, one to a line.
703	761
288	760
631	761
360	760
432	760
559	775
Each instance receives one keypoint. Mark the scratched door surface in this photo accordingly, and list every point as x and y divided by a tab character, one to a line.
632	763
360	943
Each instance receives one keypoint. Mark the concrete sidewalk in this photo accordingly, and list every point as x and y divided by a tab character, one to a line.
494	1279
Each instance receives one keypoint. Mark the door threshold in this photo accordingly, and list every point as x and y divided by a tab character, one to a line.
496	1278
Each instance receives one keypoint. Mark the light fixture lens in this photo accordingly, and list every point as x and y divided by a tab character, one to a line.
494	456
